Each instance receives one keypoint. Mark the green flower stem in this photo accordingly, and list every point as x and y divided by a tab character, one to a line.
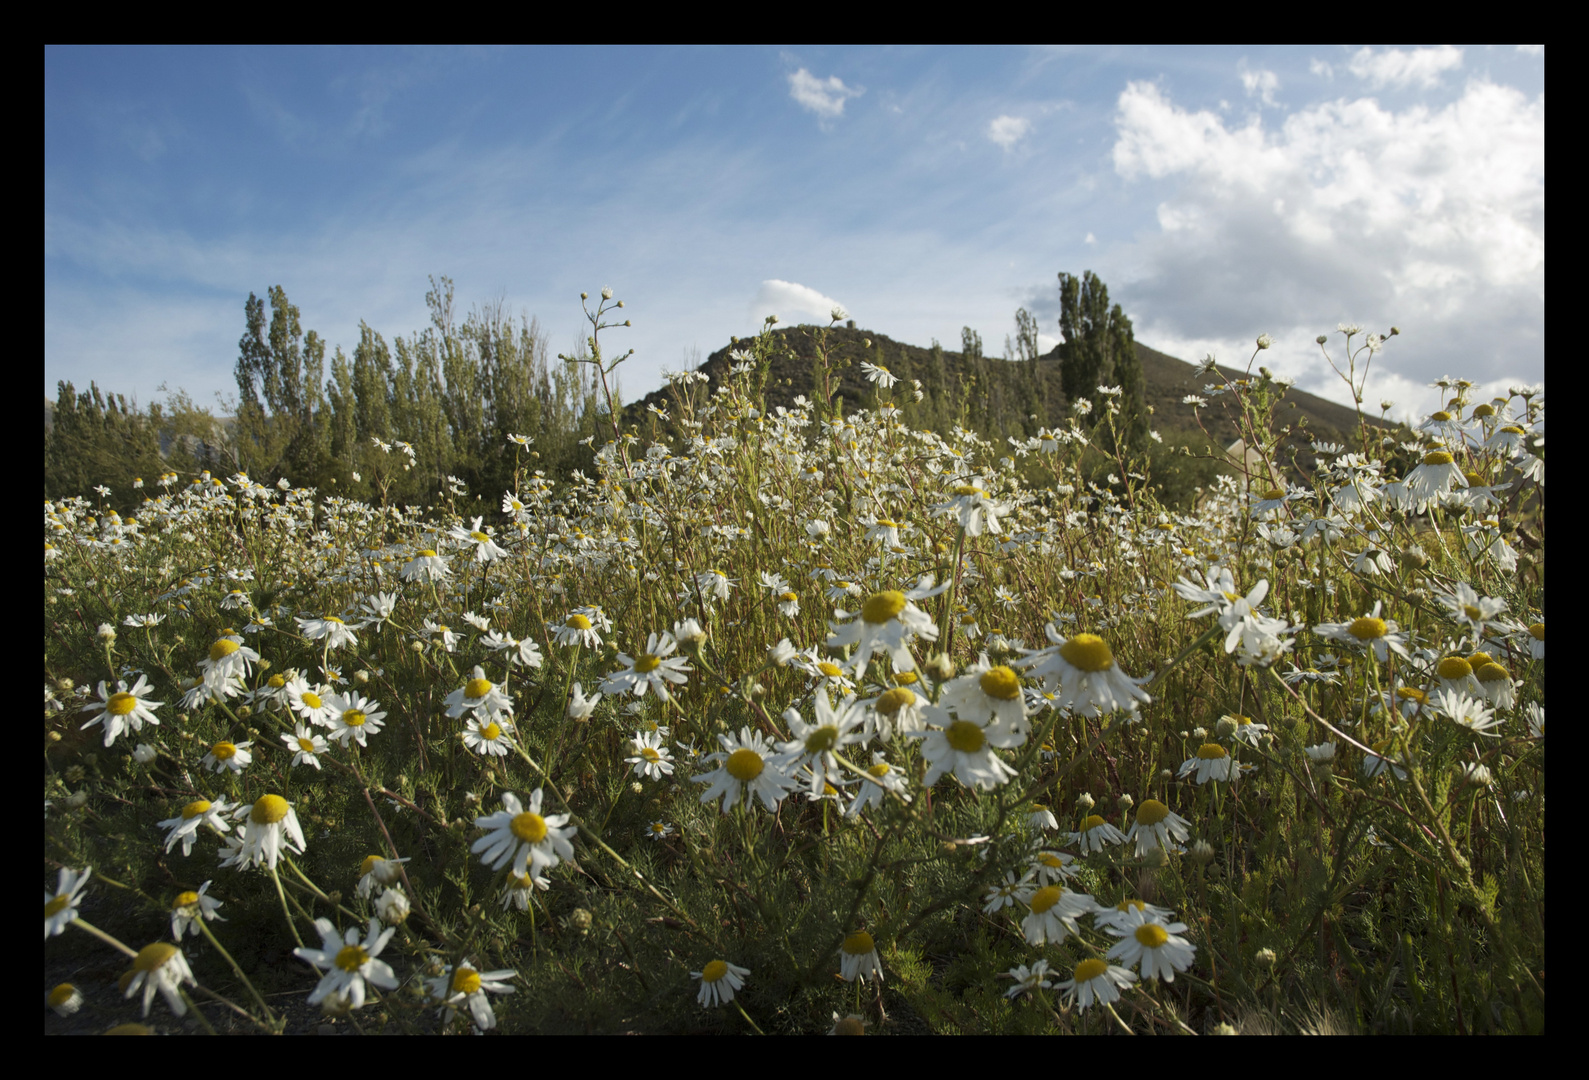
88	927
238	971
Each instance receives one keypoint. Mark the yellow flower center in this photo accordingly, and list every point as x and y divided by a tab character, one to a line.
1052	861
354	718
1129	905
1454	667
333	618
276	682
822	739
647	662
1088	970
1412	693
1211	752
788	597
223	648
479	537
1151	812
306	745
905	678
311	699
1537	631
1366	628
859	943
120	704
1045	898
1437	457
223	751
1152	935
967	489
187	899
1274	493
831	670
369	864
56	906
744	765
648	753
427	553
714	971
62	994
879	770
894	700
477	688
268	810
466	981
578	622
352	957
153	957
1479	659
965	737
491	732
1001	683
1440	416
1087	652
1492	672
849	1026
883	606
529	827
194	809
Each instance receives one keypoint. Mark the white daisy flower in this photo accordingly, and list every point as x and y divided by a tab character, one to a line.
749	768
1053	914
480	695
1028	979
271	826
652	758
349	963
521	836
1082	672
1157	825
161	967
1151	946
354	717
329	628
1095	980
185	826
654	668
858	958
125	710
468	986
965	748
1212	762
60	907
189	908
719	982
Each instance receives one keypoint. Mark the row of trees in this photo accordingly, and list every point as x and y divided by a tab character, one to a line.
456	390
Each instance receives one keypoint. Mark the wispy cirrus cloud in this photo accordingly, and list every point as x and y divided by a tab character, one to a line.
1401	68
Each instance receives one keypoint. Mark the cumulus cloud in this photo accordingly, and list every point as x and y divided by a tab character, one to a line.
825	97
1396	68
1430	218
1009	130
792	303
1260	83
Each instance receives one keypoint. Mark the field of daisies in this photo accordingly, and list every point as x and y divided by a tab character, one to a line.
797	721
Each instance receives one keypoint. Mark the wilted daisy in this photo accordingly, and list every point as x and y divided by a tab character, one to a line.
349	962
1157	826
749	768
270	826
1152	944
190	907
354	717
329	628
654	668
897	710
652	758
1028	979
1082	672
858	958
468	987
520	836
161	967
1095	980
64	1000
376	872
1053	914
479	695
185	826
60	907
1495	683
720	980
125	710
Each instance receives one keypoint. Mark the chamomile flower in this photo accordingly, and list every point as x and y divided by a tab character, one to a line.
660	830
1211	762
125	710
970	505
1028	979
354	717
329	628
229	660
520	836
1082	671
1129	911
652	758
1153	947
1157	825
426	566
349	963
720	980
1376	762
269	827
988	692
1007	892
814	745
1466	712
467	986
1054	867
749	769
858	958
376	872
654	669
189	908
1053	914
1095	980
479	695
1095	834
887	623
965	748
898	710
485	550
185	826
1434	476
1368	632
226	755
310	702
881	779
60	907
161	967
487	737
306	744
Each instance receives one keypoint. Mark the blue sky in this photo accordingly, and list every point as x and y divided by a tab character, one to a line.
1220	193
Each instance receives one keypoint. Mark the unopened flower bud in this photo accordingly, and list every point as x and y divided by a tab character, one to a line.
1226	727
361	677
1202	853
1155	858
1265	957
1124	804
606	294
1084	803
1321	339
106	633
1264	341
579	920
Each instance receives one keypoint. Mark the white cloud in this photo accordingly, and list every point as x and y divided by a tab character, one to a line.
792	303
1396	68
1321	68
1090	239
1430	218
1009	130
825	97
1262	83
